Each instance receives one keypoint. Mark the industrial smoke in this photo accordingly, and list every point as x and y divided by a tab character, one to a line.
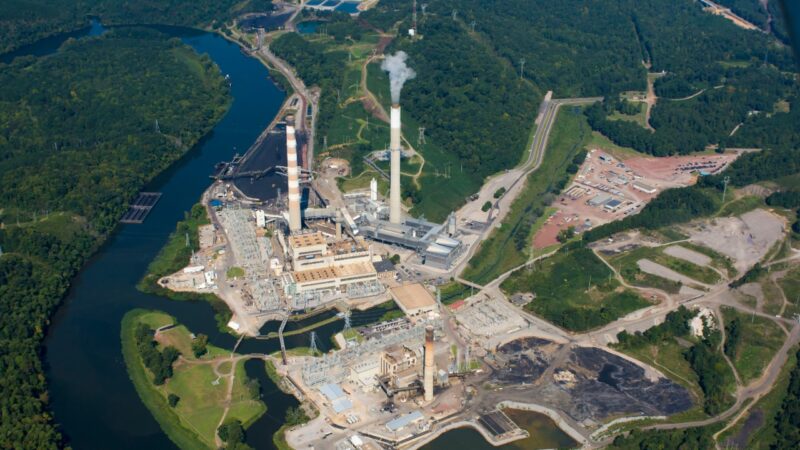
399	73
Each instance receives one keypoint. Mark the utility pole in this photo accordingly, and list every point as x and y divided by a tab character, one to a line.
725	182
521	67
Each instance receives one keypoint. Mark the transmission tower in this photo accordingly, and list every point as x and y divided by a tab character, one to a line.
725	182
313	345
521	67
423	6
455	14
472	25
158	129
414	16
187	239
346	321
421	136
325	143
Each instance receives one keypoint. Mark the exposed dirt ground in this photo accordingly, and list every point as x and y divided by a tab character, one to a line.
746	238
603	178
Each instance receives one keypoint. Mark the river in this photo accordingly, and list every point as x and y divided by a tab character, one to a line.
91	395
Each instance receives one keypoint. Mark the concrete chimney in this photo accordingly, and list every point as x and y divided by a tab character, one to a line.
294	180
427	374
395	149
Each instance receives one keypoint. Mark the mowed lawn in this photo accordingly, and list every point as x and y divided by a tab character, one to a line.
202	393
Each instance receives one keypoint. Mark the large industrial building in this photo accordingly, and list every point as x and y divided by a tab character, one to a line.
415	300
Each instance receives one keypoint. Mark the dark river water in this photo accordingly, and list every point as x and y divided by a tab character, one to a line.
91	395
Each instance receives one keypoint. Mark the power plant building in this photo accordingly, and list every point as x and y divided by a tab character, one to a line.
414	300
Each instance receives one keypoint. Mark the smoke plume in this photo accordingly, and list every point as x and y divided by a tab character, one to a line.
399	73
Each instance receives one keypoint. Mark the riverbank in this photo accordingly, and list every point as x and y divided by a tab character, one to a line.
207	390
86	391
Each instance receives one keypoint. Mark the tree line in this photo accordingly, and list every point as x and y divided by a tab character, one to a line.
25	22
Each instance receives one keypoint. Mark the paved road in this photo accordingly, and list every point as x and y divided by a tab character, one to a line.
536	152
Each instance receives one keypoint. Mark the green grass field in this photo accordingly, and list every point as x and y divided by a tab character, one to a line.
508	246
193	422
639	118
760	339
718	260
574	290
626	264
740	206
454	291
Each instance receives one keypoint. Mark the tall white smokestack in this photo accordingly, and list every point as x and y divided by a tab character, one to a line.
394	147
427	374
294	180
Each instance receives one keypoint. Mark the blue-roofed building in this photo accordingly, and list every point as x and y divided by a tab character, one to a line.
332	391
341	405
215	203
401	422
337	397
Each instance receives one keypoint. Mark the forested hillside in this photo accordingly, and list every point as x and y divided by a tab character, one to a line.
76	143
748	96
769	18
26	21
475	104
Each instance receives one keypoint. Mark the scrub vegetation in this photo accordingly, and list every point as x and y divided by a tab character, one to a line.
751	342
575	290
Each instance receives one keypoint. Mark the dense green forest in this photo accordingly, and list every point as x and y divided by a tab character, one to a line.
318	66
690	438
787	426
70	159
594	47
754	11
748	97
476	106
26	21
472	102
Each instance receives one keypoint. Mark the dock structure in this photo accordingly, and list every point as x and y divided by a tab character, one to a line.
140	207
